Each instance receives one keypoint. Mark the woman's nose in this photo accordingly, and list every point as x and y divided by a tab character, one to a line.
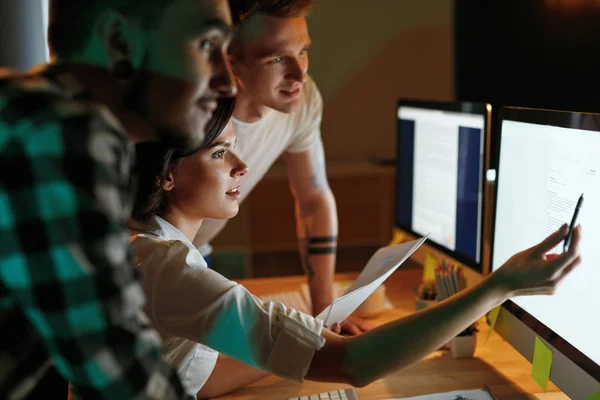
240	170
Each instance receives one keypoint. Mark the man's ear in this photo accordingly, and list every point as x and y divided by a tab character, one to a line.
168	183
234	61
122	38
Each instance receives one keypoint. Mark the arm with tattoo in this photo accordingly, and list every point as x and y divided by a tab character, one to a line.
316	220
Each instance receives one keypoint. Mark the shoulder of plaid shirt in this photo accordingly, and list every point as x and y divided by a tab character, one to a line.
68	291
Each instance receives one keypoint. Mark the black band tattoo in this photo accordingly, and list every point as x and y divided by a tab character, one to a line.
321	250
322	239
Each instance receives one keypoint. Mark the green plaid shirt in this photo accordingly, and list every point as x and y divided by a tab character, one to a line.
68	291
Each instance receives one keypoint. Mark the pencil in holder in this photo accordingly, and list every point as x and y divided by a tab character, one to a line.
450	279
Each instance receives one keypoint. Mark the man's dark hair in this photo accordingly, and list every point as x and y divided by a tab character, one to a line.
71	21
242	9
154	161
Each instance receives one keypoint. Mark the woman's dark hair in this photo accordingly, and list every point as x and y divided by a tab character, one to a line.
154	162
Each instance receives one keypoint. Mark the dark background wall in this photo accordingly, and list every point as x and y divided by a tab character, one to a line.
367	54
531	53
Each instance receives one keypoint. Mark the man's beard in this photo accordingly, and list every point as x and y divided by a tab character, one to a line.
136	100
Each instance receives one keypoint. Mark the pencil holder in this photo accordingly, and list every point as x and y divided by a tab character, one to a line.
450	279
463	346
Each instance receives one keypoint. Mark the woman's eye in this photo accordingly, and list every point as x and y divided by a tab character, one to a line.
220	154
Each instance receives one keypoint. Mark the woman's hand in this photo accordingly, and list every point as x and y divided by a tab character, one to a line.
352	326
533	271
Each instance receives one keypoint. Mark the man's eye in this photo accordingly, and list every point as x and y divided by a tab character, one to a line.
220	154
206	45
277	60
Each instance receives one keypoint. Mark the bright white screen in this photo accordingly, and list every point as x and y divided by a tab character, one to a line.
542	172
436	155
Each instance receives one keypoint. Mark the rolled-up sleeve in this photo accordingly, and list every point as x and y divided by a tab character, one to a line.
201	305
298	339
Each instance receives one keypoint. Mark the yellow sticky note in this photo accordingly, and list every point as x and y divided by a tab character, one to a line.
429	268
398	237
595	396
493	318
542	363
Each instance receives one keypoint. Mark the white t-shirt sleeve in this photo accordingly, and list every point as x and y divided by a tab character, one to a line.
201	305
307	120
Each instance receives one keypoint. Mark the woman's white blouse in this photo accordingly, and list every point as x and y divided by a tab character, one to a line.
190	304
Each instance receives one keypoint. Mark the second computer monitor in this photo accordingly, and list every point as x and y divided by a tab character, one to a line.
441	166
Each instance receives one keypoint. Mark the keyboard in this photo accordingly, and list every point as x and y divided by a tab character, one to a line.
342	394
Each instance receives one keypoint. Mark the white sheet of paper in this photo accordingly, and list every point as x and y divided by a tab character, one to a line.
378	269
478	394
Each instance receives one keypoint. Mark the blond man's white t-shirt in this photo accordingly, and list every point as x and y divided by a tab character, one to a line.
262	142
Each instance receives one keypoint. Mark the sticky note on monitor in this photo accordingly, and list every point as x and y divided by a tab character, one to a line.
398	237
542	364
493	316
429	268
595	396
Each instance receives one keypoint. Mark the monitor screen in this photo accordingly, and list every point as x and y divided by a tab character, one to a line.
546	161
440	175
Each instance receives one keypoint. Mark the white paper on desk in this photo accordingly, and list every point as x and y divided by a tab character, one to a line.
477	394
378	269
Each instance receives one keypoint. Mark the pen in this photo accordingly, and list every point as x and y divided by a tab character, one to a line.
446	282
438	279
569	236
455	273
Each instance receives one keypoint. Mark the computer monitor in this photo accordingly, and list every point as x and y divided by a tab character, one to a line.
442	158
546	161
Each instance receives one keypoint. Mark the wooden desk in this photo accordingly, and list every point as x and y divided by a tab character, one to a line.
496	363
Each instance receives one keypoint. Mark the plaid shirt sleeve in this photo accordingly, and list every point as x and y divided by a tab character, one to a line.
64	258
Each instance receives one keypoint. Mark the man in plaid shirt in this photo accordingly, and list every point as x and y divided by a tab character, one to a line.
127	71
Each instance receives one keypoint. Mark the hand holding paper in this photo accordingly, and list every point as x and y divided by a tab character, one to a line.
383	263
